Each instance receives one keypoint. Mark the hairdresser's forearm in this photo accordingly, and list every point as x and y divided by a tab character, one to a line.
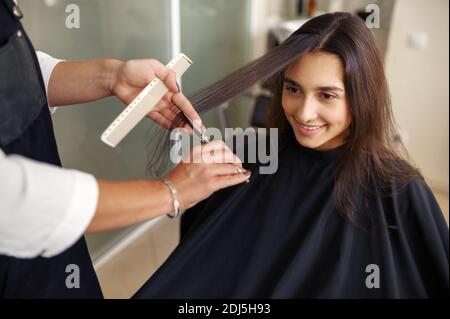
75	82
124	203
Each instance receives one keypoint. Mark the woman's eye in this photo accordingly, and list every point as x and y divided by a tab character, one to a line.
328	96
292	89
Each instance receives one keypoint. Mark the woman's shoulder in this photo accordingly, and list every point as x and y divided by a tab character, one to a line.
419	193
415	200
400	177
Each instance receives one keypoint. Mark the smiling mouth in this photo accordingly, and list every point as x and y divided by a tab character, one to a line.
311	127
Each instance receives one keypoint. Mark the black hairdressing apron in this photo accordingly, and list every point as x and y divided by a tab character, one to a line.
26	129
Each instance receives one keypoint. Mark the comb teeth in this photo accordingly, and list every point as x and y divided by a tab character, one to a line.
142	104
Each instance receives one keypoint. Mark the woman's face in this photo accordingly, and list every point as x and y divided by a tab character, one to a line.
314	101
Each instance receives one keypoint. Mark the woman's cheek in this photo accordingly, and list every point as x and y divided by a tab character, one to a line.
288	106
344	117
337	116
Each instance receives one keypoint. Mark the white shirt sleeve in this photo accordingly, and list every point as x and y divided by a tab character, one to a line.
47	63
44	209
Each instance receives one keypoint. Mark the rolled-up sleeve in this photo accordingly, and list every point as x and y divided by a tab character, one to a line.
44	209
47	63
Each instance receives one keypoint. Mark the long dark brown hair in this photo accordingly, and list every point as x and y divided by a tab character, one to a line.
373	157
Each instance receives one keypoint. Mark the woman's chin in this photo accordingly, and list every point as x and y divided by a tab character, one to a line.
309	142
310	138
321	141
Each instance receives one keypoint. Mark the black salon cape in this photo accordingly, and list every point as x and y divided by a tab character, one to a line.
280	236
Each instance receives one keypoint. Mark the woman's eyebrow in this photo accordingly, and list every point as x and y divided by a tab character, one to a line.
290	81
329	88
320	88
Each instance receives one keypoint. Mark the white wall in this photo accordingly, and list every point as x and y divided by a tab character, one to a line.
419	84
264	14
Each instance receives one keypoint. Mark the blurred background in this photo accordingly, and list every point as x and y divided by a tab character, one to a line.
220	36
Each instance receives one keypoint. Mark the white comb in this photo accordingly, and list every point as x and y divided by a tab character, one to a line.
142	104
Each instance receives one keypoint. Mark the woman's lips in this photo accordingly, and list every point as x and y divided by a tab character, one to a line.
309	130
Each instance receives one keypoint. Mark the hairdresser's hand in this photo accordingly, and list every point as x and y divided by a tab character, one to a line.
130	77
205	170
167	109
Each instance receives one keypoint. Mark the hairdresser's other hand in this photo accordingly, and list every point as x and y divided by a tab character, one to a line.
131	77
205	170
167	109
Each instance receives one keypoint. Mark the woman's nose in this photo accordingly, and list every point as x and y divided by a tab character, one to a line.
307	110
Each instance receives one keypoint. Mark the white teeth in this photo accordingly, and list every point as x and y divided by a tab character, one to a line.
311	128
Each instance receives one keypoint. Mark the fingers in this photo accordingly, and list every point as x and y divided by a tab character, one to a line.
168	97
167	113
187	126
159	119
221	156
213	152
166	75
188	129
229	180
226	169
163	117
216	145
186	107
170	105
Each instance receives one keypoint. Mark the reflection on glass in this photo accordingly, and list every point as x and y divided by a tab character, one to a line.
214	34
112	28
